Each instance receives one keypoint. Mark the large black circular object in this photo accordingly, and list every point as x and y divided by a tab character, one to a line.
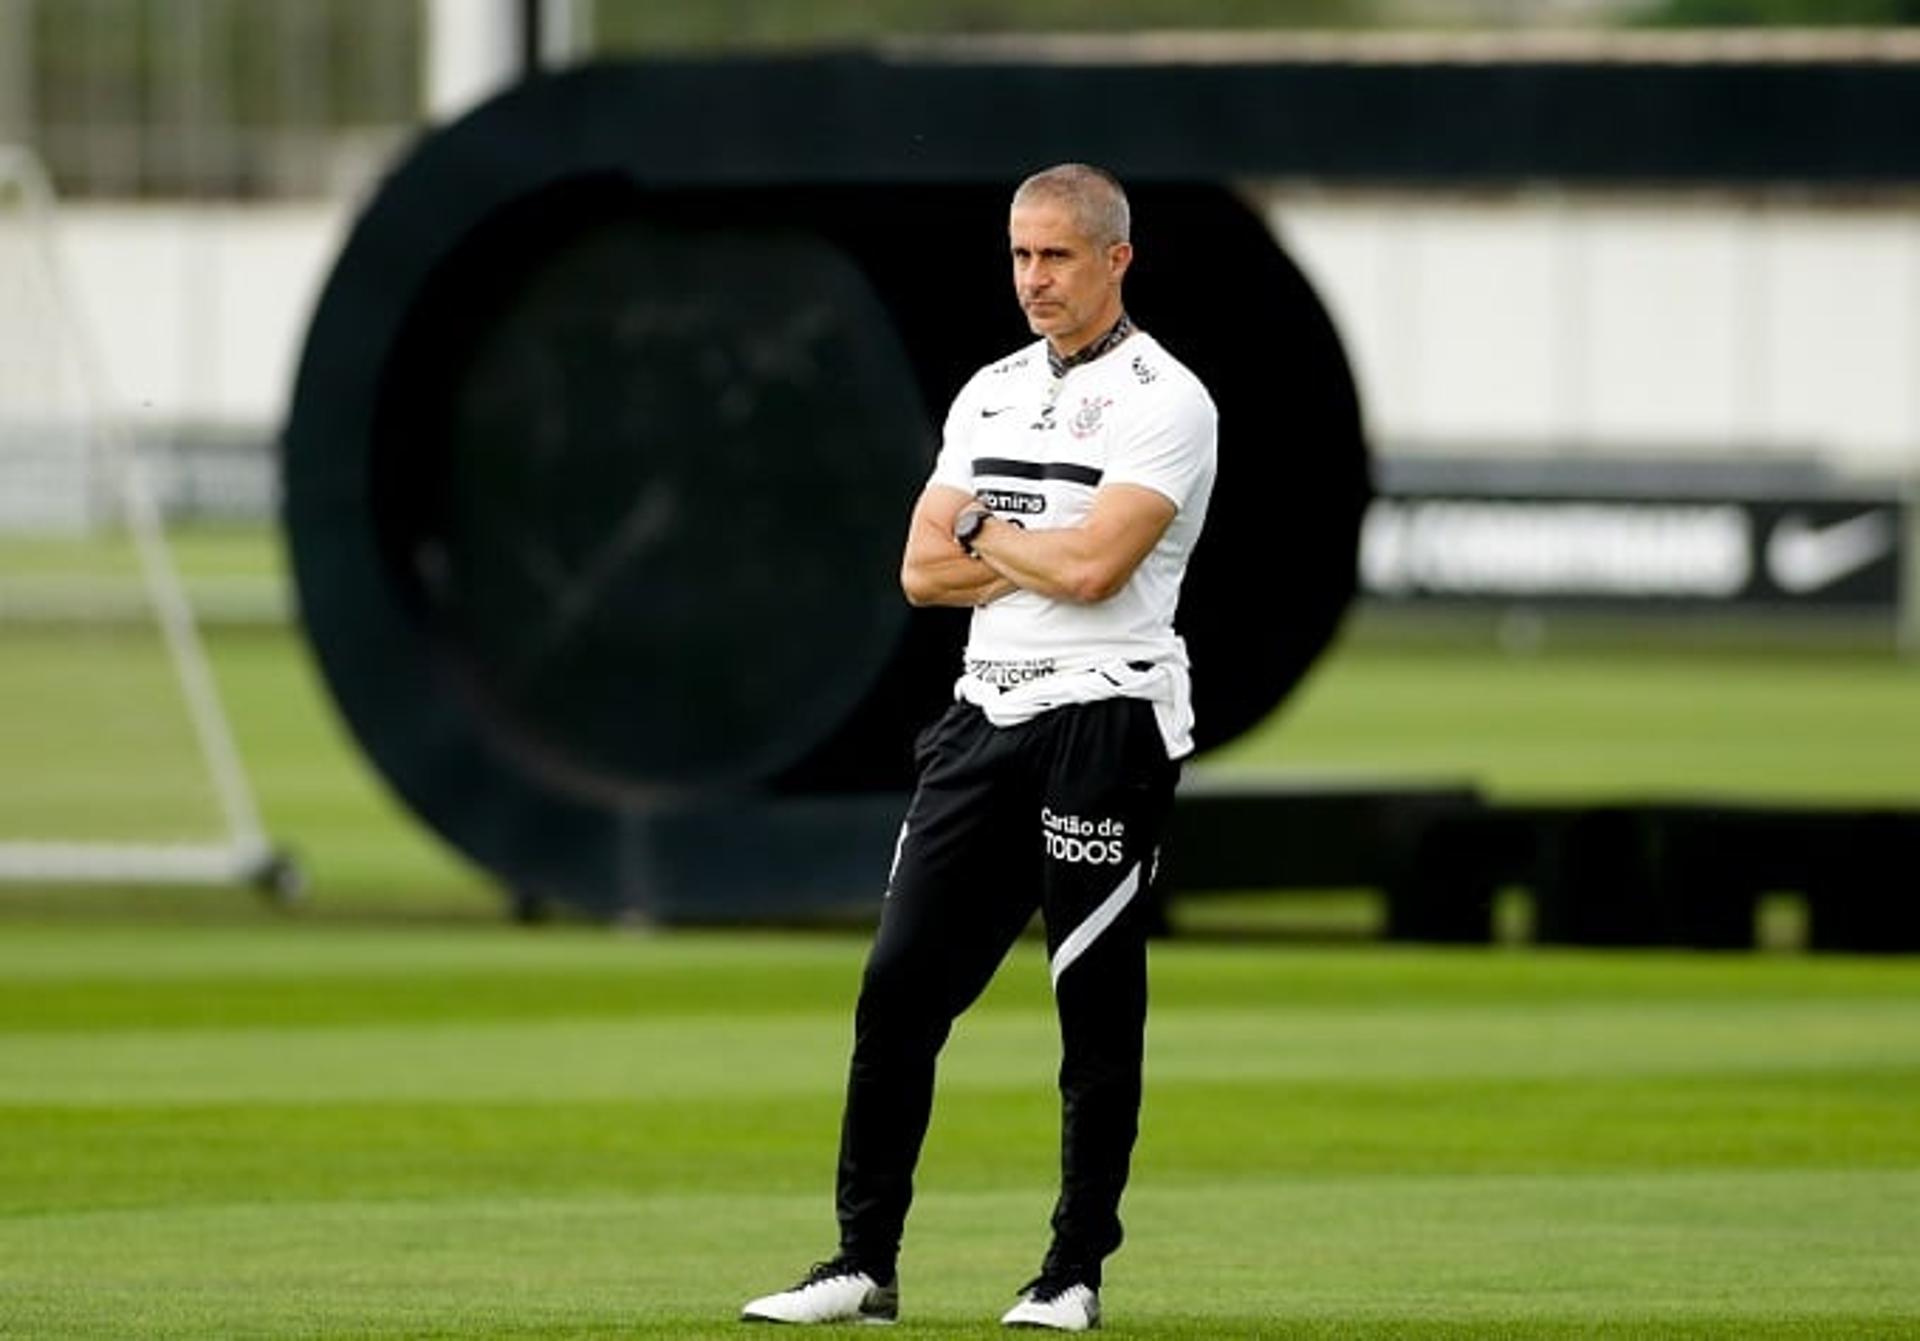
613	409
629	456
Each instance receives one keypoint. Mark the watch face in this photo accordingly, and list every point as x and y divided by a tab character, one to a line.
969	527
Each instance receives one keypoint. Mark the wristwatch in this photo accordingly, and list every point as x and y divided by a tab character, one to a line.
966	526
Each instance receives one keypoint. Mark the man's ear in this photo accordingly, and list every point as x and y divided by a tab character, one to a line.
1119	257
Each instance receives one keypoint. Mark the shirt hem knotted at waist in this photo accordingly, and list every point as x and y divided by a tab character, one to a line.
1164	684
1012	673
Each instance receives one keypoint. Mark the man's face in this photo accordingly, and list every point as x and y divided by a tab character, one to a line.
1068	287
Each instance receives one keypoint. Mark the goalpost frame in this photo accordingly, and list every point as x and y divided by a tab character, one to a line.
246	856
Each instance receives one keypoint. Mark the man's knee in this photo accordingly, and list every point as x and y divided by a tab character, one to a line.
900	997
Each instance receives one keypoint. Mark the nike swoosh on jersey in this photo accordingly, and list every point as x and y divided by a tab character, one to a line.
985	413
1802	557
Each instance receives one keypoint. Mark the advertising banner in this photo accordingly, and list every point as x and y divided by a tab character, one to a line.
1847	554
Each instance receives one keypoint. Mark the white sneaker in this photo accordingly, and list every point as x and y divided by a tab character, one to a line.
835	1291
1055	1304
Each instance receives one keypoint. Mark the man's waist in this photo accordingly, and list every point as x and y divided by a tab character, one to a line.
1011	672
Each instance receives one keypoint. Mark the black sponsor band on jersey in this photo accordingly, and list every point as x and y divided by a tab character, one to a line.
1008	468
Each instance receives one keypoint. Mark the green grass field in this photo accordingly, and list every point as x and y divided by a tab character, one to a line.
325	1130
392	1114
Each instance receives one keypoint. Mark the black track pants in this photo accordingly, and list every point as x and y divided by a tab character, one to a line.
1063	813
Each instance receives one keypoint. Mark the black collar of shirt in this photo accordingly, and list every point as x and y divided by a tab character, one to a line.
1119	331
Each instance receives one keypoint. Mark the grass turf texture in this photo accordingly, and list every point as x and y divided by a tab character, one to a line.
308	1130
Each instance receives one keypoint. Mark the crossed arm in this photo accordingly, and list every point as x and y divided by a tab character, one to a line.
1086	563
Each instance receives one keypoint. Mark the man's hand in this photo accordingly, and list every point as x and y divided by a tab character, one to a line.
934	569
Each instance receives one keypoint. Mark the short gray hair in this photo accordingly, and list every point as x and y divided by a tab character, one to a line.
1094	195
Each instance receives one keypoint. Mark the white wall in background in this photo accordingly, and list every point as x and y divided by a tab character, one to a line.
1681	323
199	313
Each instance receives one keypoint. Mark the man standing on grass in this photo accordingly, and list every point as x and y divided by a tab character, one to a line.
1071	486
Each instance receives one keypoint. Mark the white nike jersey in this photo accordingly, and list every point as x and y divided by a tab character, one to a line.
1036	449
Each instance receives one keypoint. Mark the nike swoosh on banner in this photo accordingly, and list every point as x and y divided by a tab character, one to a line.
1803	558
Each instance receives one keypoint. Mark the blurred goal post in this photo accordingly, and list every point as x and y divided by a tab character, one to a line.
123	766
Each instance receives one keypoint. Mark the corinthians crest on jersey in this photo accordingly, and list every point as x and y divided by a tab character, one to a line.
1086	422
